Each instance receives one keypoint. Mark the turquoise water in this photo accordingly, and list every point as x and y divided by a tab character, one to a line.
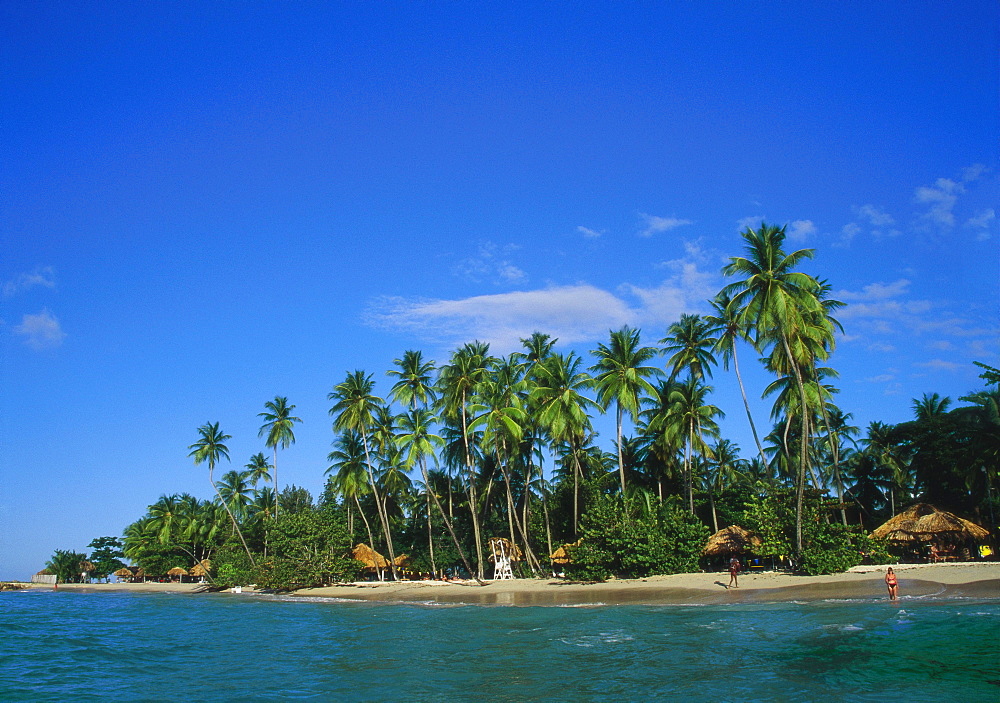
177	647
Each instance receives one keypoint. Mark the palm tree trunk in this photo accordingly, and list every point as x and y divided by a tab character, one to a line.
275	481
379	507
746	405
371	537
577	473
800	488
230	513
473	507
430	533
448	525
621	459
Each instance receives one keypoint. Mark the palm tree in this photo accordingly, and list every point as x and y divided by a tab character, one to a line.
725	469
620	377
258	469
278	423
458	381
689	406
415	382
354	409
562	409
235	490
690	343
209	448
730	330
417	443
931	405
351	479
776	303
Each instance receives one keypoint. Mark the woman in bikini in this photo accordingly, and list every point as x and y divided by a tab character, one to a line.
890	582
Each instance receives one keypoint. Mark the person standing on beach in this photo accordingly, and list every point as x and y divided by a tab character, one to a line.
734	571
890	582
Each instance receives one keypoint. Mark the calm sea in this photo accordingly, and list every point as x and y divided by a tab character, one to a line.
174	647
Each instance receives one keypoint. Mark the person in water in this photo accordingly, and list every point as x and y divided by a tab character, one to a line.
734	571
891	584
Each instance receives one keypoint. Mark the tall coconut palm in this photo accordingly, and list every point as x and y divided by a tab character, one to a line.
689	405
724	470
353	409
209	448
458	381
562	409
350	477
278	426
730	330
417	443
235	489
258	469
414	387
689	343
620	377
776	302
930	405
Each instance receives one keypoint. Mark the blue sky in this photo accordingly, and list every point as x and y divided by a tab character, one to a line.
205	207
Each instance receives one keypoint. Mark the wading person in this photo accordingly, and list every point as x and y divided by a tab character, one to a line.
890	582
734	571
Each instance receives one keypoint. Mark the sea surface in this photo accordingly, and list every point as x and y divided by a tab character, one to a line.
226	647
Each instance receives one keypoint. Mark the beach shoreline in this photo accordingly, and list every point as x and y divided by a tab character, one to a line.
980	580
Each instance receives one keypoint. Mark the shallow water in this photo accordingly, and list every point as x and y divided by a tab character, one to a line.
60	645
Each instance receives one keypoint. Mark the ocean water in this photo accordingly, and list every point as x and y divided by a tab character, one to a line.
222	647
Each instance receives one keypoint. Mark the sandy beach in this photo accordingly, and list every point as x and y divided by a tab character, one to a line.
972	579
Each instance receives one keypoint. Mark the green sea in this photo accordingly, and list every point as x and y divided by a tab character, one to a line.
222	647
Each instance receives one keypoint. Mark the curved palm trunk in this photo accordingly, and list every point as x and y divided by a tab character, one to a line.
211	470
621	459
368	528
473	507
800	487
514	519
275	481
448	525
746	405
380	507
577	475
430	534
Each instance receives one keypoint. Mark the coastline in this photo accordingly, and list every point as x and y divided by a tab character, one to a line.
980	580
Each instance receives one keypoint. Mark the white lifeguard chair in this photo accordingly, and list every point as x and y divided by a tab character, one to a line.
502	553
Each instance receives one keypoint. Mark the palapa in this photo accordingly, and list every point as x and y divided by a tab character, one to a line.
731	540
924	523
369	557
502	545
177	571
561	555
201	568
124	573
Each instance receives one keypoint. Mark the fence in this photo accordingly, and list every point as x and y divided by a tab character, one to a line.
44	578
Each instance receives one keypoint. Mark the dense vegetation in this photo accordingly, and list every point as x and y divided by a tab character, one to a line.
455	455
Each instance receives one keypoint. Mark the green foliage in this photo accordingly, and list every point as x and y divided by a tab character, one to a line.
107	556
625	539
67	565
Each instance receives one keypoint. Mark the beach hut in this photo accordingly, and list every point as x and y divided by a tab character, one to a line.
178	573
201	569
372	561
922	525
731	540
561	555
124	574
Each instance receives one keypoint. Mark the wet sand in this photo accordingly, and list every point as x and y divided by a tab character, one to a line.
969	580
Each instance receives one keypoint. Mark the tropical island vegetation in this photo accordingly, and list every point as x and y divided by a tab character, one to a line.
455	455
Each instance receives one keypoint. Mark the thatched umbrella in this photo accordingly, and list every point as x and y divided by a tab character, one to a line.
925	523
498	544
201	569
731	540
178	572
369	557
561	555
124	573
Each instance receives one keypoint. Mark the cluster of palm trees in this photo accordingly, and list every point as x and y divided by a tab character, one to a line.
462	446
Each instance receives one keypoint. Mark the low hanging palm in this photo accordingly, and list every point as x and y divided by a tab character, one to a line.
209	448
278	424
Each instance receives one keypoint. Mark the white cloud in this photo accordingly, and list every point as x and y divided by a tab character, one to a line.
876	291
491	263
881	378
573	314
800	230
654	225
41	331
973	172
847	233
877	217
982	221
751	221
940	198
589	233
44	276
939	365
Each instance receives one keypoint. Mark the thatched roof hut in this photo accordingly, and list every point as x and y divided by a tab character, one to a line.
561	555
201	568
503	545
86	566
124	573
731	540
177	571
369	557
925	523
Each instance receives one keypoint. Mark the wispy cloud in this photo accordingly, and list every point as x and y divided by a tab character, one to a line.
490	263
44	277
939	365
982	221
40	331
800	230
590	233
651	224
752	221
579	313
940	200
